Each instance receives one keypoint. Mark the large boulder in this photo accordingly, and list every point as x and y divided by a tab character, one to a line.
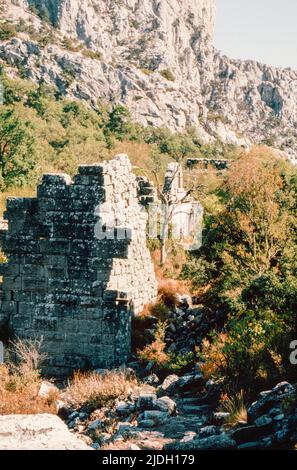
158	417
169	385
37	432
47	389
191	382
165	404
145	401
178	385
270	399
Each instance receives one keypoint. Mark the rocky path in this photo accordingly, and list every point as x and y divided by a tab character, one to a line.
186	423
171	416
167	420
176	416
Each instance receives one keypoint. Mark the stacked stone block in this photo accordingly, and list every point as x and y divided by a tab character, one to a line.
147	193
78	266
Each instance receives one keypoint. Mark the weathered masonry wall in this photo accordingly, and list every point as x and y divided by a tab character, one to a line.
78	266
204	163
187	213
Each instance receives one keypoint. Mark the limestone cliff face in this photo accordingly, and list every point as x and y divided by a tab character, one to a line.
157	57
152	31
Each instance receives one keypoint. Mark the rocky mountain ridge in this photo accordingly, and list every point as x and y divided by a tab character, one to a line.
157	58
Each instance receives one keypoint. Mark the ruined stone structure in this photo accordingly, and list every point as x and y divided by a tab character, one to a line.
78	266
204	163
186	213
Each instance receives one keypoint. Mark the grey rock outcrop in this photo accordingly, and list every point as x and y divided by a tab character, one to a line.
37	432
157	58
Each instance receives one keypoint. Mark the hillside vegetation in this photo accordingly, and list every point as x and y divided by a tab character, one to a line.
42	132
246	275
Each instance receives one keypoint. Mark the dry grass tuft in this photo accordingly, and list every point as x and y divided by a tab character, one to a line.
27	359
20	381
96	390
236	406
168	288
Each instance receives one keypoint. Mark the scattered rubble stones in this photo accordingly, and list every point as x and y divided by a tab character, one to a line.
145	401
150	421
97	424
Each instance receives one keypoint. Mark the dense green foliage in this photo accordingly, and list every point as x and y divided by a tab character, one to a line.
246	271
16	140
49	132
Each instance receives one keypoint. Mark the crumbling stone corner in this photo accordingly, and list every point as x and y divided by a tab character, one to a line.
78	267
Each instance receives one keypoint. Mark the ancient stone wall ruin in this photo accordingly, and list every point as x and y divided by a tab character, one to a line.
186	213
78	266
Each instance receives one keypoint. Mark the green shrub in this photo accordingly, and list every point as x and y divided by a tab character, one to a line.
165	362
92	54
198	270
17	150
168	75
180	363
38	99
247	270
44	40
289	405
251	354
7	31
160	311
69	44
120	123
